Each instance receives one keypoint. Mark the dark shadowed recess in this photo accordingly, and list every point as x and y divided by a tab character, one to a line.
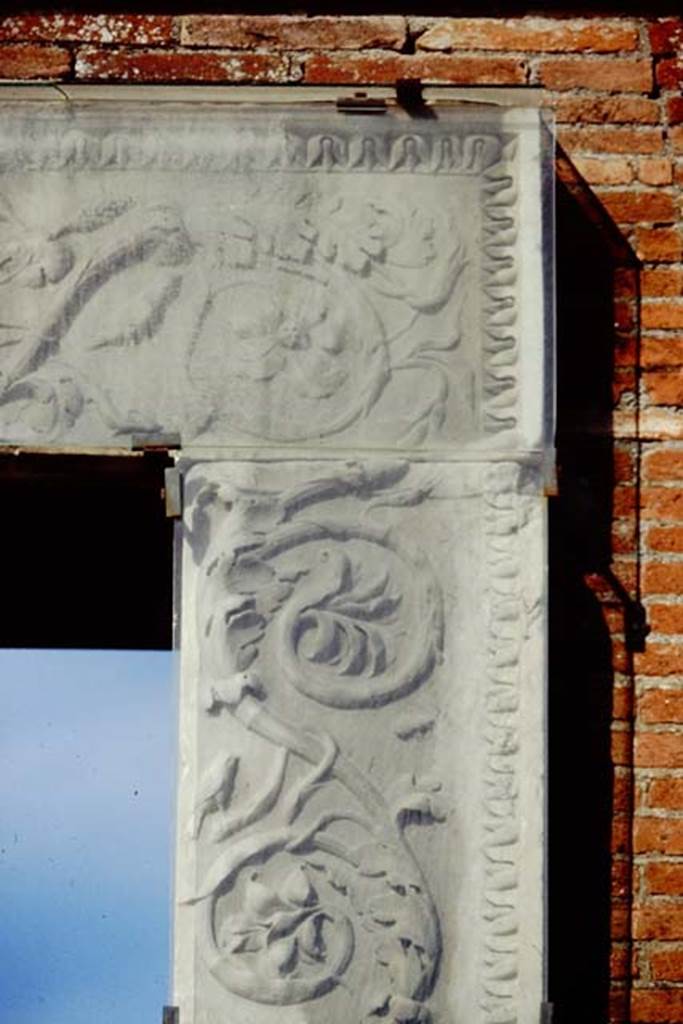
498	8
87	552
589	251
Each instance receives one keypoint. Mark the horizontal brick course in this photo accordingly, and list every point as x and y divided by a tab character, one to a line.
611	140
667	965
666	618
98	64
658	835
668	794
604	110
656	1007
291	32
661	921
381	68
614	74
530	34
25	61
130	29
657	706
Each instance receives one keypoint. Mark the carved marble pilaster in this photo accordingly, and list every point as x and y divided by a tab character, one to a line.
361	757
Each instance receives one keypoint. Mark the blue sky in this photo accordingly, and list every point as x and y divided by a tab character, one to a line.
87	774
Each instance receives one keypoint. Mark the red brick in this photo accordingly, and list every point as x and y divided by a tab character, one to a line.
557	35
621	745
666	35
666	879
664	281
663	387
663	578
621	835
621	878
662	503
293	32
662	315
667	965
385	68
623	464
663	921
660	660
656	1006
678	172
662	351
610	140
623	500
619	962
636	207
676	137
665	618
612	74
659	706
659	244
604	171
131	29
620	921
665	538
655	170
30	62
605	110
658	835
664	463
94	64
659	750
670	73
666	794
622	796
674	110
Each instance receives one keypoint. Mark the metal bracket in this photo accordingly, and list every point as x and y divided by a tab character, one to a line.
171	1015
173	492
547	1013
361	103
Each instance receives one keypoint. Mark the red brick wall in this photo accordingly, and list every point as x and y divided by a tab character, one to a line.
615	86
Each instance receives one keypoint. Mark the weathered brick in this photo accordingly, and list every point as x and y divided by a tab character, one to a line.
293	32
666	965
678	172
611	74
662	386
666	618
662	282
670	73
662	351
130	29
666	794
605	110
665	538
659	749
96	64
659	244
25	61
656	1006
619	962
663	578
558	35
636	207
658	835
611	140
385	68
622	796
664	879
662	921
621	747
664	315
674	109
621	878
620	921
666	35
655	170
676	138
597	171
659	706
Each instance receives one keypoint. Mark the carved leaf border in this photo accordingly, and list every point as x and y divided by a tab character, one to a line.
500	951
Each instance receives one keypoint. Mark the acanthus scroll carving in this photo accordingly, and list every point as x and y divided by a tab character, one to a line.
305	885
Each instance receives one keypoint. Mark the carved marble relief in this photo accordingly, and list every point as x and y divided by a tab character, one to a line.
354	643
240	278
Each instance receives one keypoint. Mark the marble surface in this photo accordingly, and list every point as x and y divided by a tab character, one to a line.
249	275
361	792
